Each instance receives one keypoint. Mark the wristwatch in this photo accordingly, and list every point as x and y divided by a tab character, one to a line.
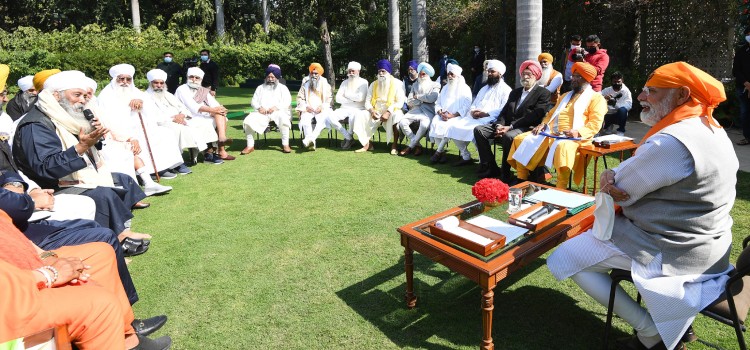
16	184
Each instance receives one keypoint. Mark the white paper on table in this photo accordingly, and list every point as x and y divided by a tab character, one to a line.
560	198
612	138
525	217
510	232
450	224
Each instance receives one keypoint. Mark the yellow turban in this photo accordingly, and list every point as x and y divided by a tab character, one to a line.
41	77
587	71
546	56
4	72
316	67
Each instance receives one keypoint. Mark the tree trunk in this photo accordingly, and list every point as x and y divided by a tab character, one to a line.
635	57
325	36
419	30
136	10
394	37
528	32
266	15
220	30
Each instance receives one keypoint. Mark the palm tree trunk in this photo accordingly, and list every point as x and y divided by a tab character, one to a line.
266	15
419	30
136	10
219	4
325	37
528	32
394	37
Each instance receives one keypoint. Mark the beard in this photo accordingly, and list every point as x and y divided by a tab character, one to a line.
352	76
271	84
528	83
158	90
659	110
193	85
74	109
382	79
492	80
314	83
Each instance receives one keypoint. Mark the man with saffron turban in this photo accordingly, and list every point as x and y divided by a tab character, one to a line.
572	123
314	102
551	79
272	102
525	109
385	96
421	101
674	231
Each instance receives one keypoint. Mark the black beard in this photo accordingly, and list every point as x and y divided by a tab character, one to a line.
576	89
492	80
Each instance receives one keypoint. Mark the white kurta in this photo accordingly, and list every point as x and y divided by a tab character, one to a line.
351	98
453	100
491	100
320	98
200	120
163	110
124	122
268	97
364	126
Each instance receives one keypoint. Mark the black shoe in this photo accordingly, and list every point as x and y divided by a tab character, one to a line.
489	173
161	343
148	326
689	335
463	162
133	247
483	168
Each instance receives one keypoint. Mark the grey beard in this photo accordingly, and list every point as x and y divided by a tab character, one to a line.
27	98
75	110
272	84
159	90
193	86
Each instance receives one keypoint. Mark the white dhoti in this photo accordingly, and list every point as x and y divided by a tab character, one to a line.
463	129
164	148
364	126
335	118
188	136
438	130
415	115
257	122
305	124
119	158
206	127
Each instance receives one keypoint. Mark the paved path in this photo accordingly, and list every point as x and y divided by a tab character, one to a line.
637	129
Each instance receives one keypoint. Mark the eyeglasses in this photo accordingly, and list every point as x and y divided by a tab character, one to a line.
124	79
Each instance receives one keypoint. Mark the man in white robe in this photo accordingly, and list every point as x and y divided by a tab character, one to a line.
314	102
384	100
452	105
484	110
123	103
421	102
208	115
351	98
272	102
168	111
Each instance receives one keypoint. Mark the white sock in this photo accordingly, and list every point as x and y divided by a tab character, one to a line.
250	141
146	177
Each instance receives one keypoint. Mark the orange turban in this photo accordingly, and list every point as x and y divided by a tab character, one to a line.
546	56
41	77
316	67
4	72
704	88
587	71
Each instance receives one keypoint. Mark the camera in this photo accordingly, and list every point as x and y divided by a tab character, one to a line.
190	62
578	54
613	99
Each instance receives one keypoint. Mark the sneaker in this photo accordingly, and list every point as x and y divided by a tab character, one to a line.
155	188
212	159
182	169
347	144
167	175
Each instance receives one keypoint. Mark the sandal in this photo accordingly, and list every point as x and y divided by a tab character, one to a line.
132	247
743	142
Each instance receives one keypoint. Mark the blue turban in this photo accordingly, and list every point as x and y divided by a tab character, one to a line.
426	68
452	61
413	64
385	64
275	70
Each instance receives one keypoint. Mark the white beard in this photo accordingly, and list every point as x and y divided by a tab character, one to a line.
659	110
546	72
423	87
159	96
75	110
383	86
193	86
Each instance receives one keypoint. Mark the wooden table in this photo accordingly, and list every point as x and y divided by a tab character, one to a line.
596	152
485	273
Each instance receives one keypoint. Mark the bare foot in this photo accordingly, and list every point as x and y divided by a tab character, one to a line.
133	235
365	148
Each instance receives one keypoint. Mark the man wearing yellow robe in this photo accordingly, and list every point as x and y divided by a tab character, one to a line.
575	119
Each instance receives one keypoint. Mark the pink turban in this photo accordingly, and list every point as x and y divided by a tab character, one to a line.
533	66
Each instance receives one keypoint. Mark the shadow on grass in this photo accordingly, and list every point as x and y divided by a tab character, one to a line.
448	311
743	186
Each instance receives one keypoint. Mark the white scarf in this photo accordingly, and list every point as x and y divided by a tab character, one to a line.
67	128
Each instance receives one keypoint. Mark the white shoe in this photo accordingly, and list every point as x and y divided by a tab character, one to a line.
155	188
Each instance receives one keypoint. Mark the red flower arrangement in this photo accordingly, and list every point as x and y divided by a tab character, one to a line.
490	191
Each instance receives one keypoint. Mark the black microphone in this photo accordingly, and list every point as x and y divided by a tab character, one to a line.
89	115
544	210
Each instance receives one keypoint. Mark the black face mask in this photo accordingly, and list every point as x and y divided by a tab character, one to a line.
617	86
591	49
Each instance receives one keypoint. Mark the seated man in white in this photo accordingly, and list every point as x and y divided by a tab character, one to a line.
168	111
421	101
272	102
208	112
452	105
384	100
351	96
484	110
314	102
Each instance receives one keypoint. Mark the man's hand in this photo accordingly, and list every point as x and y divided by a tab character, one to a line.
220	110
43	199
86	141
537	129
262	110
14	189
213	93
318	110
309	109
571	133
374	115
70	270
479	114
135	146
501	130
136	104
384	117
179	119
607	179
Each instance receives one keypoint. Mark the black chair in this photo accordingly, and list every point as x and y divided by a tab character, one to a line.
730	308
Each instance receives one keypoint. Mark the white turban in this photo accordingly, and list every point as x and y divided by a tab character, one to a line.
26	82
455	69
195	71
122	68
156	74
354	65
69	79
497	66
91	83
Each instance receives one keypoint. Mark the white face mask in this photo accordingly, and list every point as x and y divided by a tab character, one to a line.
604	216
747	38
574	46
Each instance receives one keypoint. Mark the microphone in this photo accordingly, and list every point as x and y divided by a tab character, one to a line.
544	210
89	115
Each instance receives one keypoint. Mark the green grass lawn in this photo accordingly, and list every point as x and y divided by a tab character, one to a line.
300	251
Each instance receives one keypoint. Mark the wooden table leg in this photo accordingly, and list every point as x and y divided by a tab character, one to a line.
596	171
586	162
411	299
488	305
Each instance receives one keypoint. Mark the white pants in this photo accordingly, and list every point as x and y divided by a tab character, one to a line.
305	124
335	118
256	122
424	125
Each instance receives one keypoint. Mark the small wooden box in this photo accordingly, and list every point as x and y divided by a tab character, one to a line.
547	220
498	240
614	144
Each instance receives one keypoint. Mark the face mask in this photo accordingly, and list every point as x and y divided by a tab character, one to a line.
591	50
204	58
604	216
476	49
168	59
574	46
747	38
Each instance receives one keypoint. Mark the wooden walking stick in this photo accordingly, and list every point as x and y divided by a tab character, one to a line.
148	145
